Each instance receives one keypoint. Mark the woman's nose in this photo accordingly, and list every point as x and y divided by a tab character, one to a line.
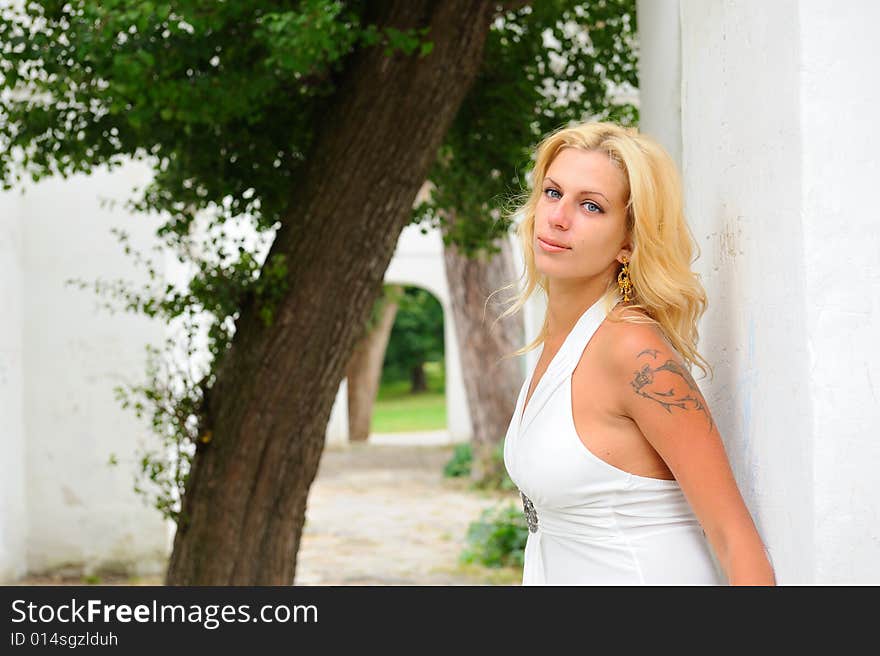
559	214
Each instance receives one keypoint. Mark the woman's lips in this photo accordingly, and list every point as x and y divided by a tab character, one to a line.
550	247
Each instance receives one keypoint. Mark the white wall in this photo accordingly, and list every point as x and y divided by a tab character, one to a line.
62	508
741	163
13	507
778	148
81	512
840	142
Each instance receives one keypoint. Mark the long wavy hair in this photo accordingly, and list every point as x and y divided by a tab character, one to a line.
666	291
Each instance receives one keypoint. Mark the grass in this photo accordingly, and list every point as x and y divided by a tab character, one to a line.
398	411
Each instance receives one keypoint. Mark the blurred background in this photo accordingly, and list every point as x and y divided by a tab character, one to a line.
252	259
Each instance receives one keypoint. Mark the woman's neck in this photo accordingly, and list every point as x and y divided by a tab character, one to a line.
567	301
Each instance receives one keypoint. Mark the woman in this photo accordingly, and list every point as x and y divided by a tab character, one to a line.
621	469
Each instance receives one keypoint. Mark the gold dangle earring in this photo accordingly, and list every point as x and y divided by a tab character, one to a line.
624	283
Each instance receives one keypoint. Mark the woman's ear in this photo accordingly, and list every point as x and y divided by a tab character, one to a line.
625	253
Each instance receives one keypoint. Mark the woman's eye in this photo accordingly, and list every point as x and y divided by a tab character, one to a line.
590	205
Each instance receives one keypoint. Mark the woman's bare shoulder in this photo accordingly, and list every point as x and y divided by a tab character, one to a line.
629	332
627	321
624	311
630	342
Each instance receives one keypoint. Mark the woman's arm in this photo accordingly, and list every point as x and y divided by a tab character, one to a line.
660	396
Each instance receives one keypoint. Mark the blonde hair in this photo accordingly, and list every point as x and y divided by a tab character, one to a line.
666	291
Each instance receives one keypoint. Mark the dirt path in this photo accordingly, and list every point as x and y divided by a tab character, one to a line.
381	514
385	515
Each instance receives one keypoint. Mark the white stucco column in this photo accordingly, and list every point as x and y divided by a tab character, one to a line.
840	142
660	72
779	158
742	170
458	414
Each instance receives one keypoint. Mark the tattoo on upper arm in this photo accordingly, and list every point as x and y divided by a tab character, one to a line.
651	383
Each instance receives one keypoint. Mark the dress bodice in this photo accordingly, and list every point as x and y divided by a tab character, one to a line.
589	521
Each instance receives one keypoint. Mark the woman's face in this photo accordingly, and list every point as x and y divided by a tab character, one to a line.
582	208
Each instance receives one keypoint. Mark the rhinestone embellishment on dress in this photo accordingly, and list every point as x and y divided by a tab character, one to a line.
529	512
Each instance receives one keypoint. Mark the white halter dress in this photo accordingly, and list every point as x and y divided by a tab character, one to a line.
591	523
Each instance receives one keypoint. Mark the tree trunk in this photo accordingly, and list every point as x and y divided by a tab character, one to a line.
245	501
364	372
417	381
491	385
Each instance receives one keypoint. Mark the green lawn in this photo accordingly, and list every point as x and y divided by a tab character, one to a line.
398	411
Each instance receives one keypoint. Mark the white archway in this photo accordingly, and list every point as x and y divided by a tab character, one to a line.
418	261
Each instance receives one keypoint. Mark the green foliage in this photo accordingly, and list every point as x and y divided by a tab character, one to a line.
196	87
172	403
401	391
524	90
497	538
417	334
299	41
407	42
222	100
460	462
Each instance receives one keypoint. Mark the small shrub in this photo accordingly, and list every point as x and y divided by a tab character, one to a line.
460	462
496	478
497	538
